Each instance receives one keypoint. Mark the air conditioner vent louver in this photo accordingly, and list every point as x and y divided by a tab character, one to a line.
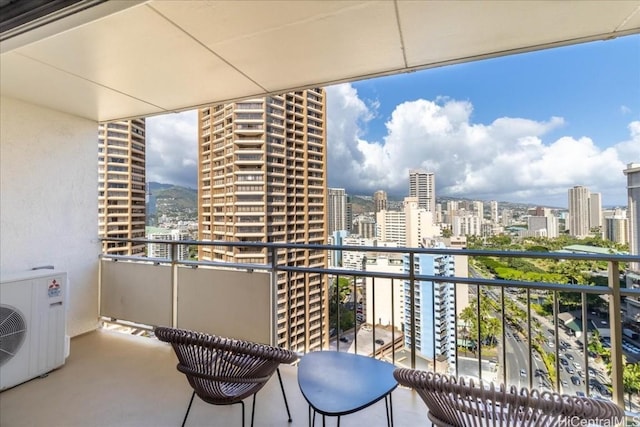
13	329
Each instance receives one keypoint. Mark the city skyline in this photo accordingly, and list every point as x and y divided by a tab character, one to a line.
522	128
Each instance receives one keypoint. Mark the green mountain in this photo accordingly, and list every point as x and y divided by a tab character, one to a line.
173	201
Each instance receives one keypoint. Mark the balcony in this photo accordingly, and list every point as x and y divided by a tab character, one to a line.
112	379
54	94
212	296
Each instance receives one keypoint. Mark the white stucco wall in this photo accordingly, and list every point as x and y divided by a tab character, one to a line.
48	201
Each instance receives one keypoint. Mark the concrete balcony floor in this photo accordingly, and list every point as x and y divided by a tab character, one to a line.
113	379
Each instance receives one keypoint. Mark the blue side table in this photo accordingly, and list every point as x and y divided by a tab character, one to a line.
336	383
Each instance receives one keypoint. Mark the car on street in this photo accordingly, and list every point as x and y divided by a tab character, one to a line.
564	361
569	356
523	373
344	339
575	380
379	342
570	370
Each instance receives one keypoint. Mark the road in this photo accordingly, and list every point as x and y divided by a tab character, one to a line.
517	357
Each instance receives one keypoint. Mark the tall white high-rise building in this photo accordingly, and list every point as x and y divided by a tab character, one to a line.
336	210
595	210
478	208
633	211
419	223
422	185
507	217
163	250
578	223
494	211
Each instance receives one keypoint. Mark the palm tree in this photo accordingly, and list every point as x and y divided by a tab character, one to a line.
631	379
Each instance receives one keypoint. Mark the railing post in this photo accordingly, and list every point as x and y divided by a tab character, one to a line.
615	325
585	349
412	308
479	336
274	296
556	310
529	340
174	284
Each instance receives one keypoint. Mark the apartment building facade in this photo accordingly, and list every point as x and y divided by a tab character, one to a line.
579	209
122	185
337	210
262	178
422	184
435	315
380	201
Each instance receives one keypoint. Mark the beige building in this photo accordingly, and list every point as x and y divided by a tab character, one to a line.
122	185
579	209
391	226
633	211
380	201
419	223
262	178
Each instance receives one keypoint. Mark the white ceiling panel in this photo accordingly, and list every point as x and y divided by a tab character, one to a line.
140	59
299	40
139	53
439	32
64	92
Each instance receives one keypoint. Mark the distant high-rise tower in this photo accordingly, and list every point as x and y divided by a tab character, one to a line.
262	178
122	185
579	211
595	211
349	220
336	210
494	211
633	211
379	201
423	186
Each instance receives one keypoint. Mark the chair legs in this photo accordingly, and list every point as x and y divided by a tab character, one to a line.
286	404
188	409
253	406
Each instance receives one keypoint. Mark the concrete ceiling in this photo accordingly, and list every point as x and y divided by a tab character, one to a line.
122	59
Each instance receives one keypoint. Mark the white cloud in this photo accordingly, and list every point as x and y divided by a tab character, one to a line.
172	148
507	159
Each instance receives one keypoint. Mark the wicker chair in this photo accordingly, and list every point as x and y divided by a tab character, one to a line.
224	371
456	403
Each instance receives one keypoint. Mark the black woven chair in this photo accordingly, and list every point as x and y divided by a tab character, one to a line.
456	403
224	371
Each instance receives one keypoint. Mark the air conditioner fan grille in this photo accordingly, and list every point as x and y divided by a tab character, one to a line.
13	329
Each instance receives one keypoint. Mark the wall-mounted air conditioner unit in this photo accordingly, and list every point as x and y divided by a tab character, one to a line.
32	325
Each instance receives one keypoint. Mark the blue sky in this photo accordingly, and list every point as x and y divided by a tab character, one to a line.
586	84
521	128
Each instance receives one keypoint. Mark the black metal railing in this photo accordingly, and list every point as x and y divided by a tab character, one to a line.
405	337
